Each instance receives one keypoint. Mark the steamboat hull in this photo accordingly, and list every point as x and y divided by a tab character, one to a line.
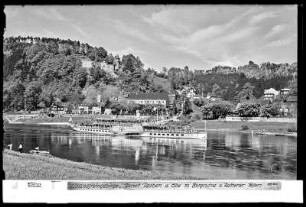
175	135
93	130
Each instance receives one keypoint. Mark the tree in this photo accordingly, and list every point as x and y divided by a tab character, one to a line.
14	99
31	95
199	102
131	64
249	109
132	107
90	94
218	109
216	90
246	94
64	49
46	97
270	110
187	107
101	53
80	77
75	96
117	108
147	109
109	59
52	47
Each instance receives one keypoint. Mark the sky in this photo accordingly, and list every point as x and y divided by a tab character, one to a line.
197	36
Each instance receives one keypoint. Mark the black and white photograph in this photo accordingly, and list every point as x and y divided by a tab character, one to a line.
150	92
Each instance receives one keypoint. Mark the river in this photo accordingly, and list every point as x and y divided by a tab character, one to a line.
224	155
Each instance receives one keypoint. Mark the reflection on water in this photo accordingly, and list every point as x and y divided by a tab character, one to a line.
223	155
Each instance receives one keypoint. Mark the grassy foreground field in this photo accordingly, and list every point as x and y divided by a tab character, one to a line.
22	166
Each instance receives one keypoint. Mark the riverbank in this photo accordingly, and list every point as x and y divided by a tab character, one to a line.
23	166
261	127
271	128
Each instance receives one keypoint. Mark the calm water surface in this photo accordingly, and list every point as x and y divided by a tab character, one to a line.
224	155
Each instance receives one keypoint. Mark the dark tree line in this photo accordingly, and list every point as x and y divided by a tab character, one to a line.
49	71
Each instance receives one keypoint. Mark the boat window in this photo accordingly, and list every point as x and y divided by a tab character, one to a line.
167	134
150	133
163	134
172	134
158	134
177	135
182	134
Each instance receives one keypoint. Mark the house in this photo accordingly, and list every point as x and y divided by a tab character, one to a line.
149	99
171	99
213	97
284	91
96	110
270	94
108	112
83	109
189	91
59	108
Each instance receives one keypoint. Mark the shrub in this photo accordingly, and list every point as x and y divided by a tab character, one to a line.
249	109
199	102
218	109
244	127
292	129
196	117
269	110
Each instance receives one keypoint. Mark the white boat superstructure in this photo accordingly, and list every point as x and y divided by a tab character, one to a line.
127	130
175	134
92	129
136	128
111	127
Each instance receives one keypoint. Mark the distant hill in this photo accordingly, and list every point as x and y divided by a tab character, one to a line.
265	70
39	71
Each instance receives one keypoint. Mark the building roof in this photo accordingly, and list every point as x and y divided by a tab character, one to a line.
149	96
263	102
271	90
